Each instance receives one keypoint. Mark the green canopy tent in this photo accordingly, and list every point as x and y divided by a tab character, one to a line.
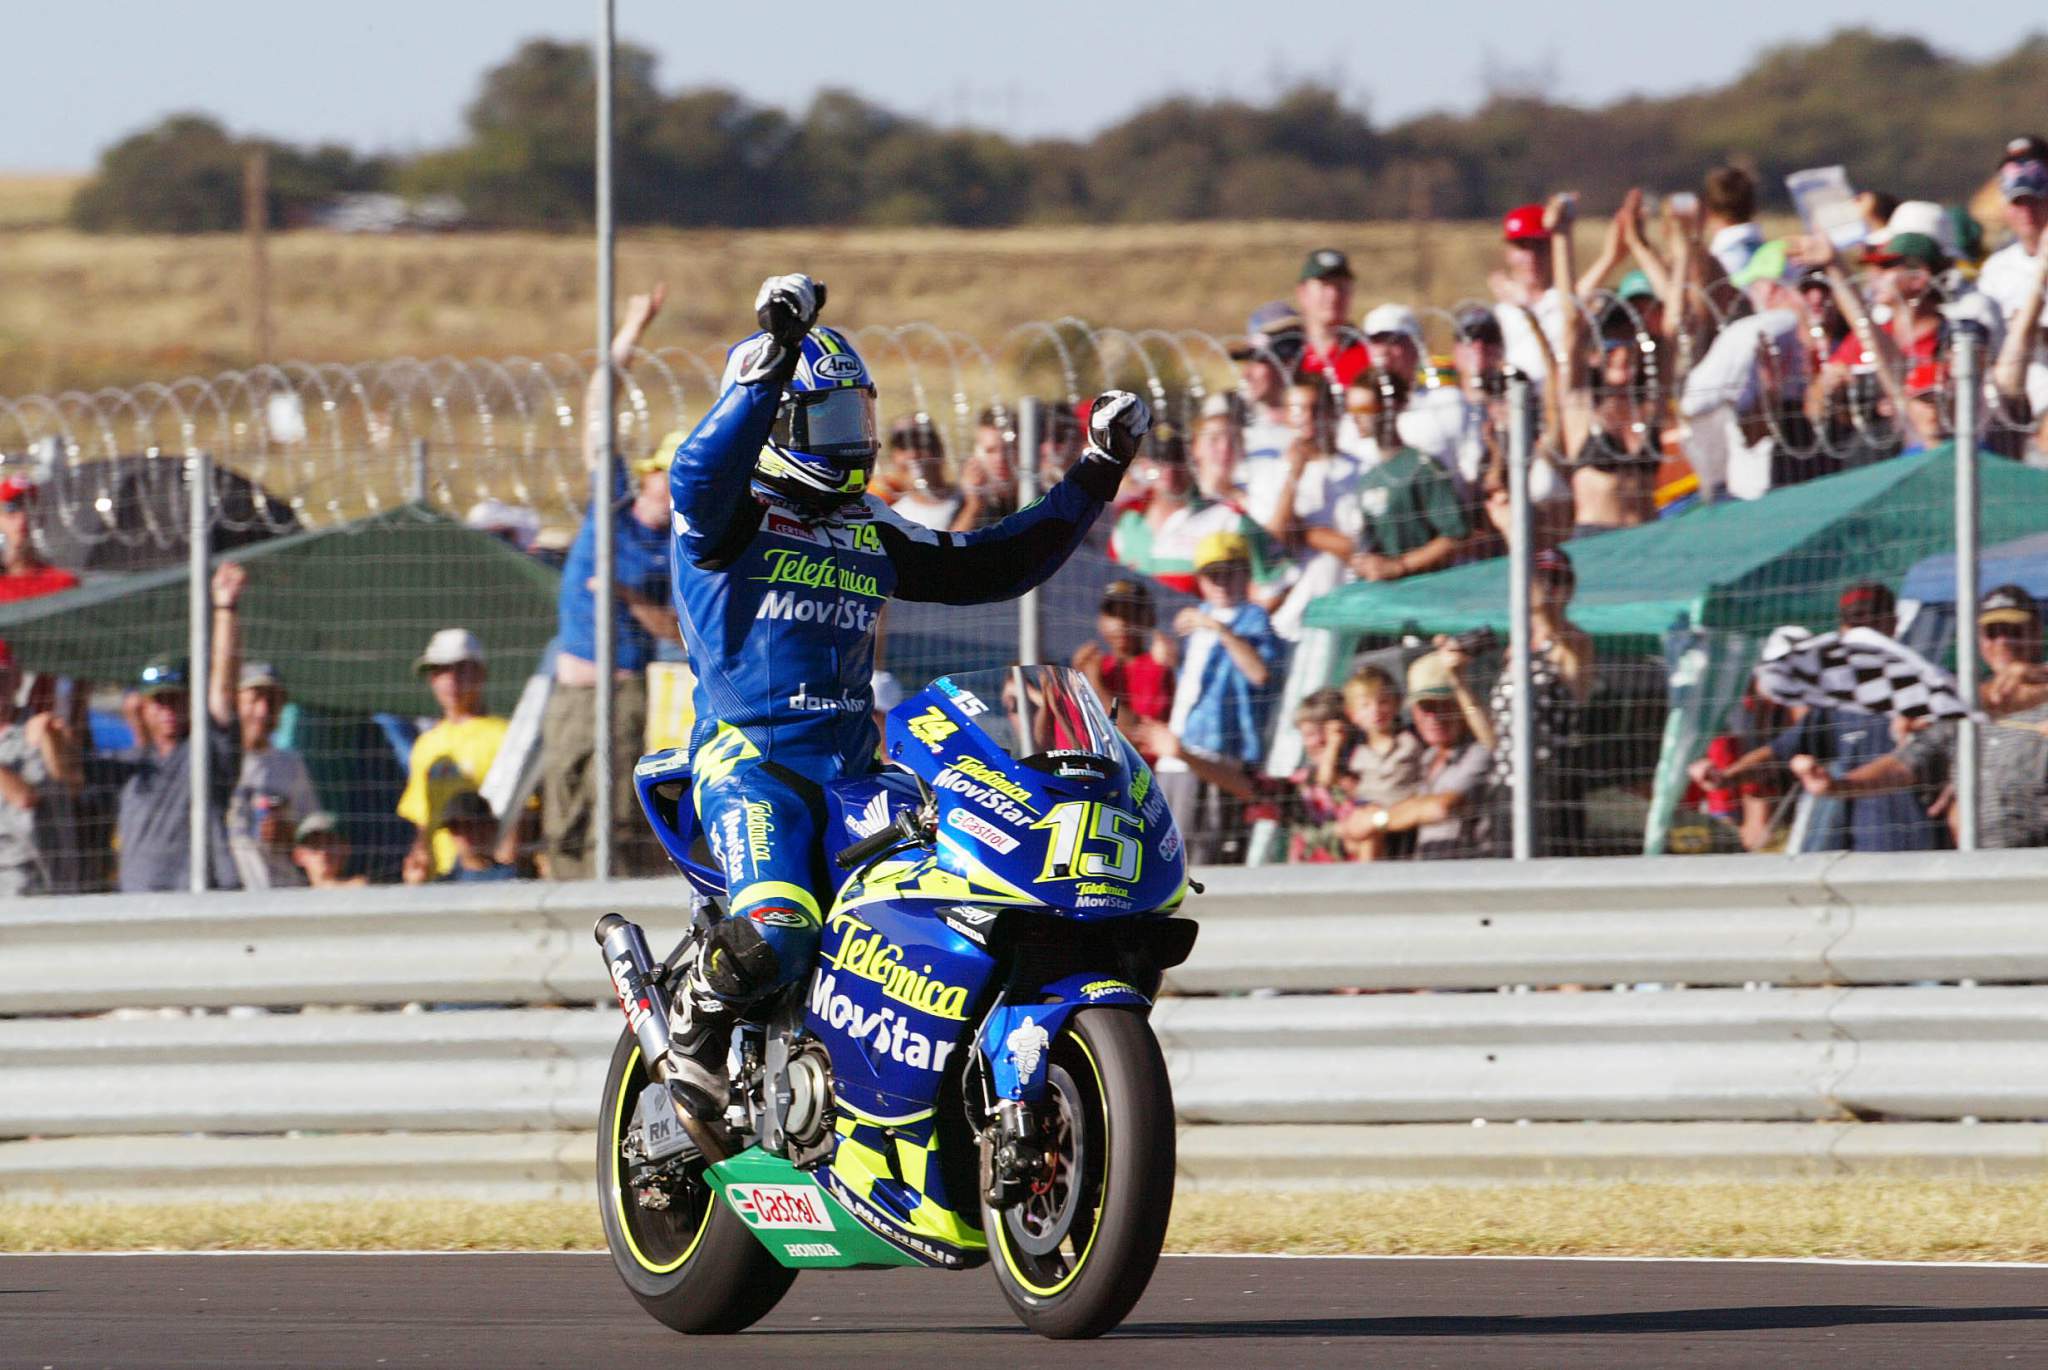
1712	583
343	612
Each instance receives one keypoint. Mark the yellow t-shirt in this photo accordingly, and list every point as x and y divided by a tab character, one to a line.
448	759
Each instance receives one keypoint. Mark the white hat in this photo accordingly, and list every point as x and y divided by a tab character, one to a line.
1394	318
888	694
1918	216
450	647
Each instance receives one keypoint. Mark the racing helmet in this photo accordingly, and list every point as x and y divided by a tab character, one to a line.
823	446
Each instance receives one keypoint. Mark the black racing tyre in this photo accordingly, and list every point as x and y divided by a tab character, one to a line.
1074	1258
693	1265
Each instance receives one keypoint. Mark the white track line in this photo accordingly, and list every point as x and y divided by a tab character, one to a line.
1181	1256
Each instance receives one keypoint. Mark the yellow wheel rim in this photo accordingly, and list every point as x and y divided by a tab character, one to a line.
618	1186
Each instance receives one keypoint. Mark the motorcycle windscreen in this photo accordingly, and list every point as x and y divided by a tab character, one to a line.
1048	718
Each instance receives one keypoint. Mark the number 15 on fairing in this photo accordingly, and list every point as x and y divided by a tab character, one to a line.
1089	842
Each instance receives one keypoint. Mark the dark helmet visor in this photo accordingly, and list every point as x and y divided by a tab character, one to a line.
829	423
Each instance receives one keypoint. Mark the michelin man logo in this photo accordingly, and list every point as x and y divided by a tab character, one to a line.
1026	1044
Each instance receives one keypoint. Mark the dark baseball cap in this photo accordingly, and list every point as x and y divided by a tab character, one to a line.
467	806
1478	324
2028	147
164	675
1867	603
1326	264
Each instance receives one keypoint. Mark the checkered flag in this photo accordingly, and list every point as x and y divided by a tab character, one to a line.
1860	670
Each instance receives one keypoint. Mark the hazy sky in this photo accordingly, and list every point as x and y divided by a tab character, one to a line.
394	74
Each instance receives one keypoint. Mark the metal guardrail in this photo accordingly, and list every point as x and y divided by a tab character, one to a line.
1729	920
1298	1086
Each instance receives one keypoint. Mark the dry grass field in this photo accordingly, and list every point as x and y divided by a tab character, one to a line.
80	312
35	199
1873	1218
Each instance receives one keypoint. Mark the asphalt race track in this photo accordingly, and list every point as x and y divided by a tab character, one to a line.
571	1311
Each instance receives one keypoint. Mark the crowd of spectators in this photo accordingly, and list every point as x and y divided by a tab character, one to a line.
1694	359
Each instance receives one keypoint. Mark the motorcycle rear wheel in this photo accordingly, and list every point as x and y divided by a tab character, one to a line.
1074	1257
693	1265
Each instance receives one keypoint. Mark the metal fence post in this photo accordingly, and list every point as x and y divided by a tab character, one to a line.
417	493
601	479
1030	422
199	624
1522	804
1969	345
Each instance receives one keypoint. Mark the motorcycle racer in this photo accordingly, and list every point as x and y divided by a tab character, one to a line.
780	565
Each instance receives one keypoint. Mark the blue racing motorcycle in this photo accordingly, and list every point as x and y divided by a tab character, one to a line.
969	1075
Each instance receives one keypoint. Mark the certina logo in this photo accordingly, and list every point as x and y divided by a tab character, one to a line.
781	1205
787	566
840	366
868	954
981	830
888	1032
825	704
794	608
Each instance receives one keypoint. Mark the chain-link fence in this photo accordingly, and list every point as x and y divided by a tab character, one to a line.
1704	482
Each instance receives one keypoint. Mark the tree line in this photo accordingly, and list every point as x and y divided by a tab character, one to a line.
1903	116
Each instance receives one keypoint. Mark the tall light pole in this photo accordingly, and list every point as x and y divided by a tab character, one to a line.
601	475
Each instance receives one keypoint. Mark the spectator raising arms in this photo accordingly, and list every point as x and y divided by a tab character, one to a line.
40	774
640	511
452	756
1605	410
274	792
154	826
1728	203
1532	307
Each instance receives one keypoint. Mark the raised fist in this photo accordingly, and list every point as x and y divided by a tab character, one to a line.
787	307
1117	422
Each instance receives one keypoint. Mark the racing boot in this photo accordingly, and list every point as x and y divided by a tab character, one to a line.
700	1035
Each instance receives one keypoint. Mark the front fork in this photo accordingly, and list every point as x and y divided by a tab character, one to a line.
637	980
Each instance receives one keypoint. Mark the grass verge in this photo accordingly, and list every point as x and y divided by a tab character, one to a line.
1874	1219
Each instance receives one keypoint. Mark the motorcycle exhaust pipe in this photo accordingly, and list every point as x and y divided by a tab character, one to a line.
634	978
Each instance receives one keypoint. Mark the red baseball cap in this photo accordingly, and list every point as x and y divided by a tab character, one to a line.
1524	223
14	489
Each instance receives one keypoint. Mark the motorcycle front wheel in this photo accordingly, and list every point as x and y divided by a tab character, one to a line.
693	1265
1074	1255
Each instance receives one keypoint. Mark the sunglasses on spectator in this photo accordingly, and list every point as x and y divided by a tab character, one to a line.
1997	630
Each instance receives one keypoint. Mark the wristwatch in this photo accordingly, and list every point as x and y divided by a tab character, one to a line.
1380	819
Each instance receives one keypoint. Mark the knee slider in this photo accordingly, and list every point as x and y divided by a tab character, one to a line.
738	962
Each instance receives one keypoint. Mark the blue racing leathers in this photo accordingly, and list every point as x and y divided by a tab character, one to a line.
778	610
